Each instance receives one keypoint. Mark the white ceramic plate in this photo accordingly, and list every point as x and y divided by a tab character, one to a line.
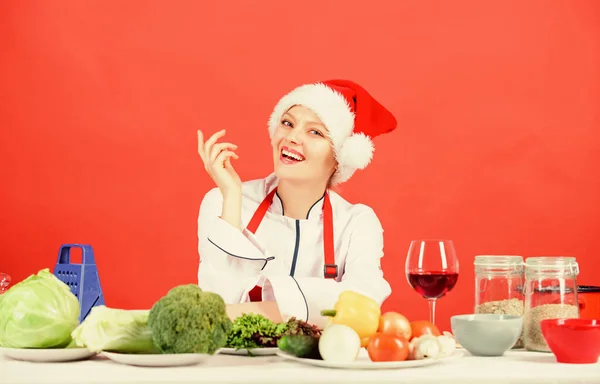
251	352
47	355
363	362
158	359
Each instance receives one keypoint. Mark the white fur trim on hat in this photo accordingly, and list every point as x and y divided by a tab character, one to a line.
352	151
356	153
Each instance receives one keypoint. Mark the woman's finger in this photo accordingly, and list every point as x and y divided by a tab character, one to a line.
227	162
212	140
201	145
217	148
224	155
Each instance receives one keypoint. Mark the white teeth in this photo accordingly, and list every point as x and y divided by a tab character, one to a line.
292	155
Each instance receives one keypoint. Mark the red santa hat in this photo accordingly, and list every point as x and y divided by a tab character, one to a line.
352	116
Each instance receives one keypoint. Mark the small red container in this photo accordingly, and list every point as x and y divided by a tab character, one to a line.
589	301
573	341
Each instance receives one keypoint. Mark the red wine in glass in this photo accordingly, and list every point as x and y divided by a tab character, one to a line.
432	285
432	270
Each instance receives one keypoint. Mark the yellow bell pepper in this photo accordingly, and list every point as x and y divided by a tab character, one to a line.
359	312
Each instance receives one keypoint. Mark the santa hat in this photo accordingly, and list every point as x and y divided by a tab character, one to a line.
352	116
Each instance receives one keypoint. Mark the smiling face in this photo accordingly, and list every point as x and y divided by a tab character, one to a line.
301	148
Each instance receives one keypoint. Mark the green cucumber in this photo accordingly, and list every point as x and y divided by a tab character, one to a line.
303	346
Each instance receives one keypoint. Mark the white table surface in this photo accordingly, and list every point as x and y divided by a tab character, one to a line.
517	366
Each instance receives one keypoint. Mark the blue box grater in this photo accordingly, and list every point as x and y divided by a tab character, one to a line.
82	279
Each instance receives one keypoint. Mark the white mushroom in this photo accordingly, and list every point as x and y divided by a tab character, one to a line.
447	344
424	346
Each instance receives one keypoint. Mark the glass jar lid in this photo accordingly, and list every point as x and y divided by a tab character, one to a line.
552	264
498	260
498	265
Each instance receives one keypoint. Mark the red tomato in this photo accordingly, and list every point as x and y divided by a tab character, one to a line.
424	327
386	347
393	323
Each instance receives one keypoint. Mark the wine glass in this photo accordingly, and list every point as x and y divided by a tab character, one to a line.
431	269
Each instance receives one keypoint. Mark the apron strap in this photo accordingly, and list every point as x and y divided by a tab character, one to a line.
261	211
330	269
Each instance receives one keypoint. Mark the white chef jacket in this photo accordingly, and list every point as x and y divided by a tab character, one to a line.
285	255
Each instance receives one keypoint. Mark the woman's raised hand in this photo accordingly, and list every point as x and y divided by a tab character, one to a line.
217	162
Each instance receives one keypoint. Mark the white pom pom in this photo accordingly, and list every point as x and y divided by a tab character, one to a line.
356	152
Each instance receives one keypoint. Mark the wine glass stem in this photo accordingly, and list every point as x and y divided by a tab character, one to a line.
431	310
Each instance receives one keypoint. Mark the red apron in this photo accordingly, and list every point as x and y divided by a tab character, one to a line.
330	271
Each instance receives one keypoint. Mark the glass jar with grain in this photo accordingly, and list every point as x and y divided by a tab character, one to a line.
498	286
550	293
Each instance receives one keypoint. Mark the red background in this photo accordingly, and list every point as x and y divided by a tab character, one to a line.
498	143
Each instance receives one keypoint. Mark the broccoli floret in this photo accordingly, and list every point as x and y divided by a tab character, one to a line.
188	320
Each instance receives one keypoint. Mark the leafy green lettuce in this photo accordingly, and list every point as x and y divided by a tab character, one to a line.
254	331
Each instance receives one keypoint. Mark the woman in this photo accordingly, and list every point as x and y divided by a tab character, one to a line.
288	238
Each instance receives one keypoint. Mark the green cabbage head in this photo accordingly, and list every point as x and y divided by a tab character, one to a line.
38	312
